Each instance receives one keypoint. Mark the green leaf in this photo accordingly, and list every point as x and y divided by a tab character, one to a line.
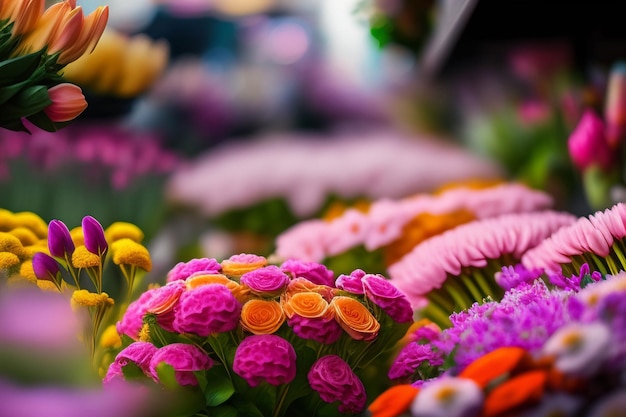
224	411
219	388
19	68
132	371
42	121
26	103
248	410
167	375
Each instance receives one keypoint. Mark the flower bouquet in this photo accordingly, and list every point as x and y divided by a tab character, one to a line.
249	338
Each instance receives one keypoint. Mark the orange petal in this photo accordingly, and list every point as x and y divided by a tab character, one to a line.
393	402
494	364
526	388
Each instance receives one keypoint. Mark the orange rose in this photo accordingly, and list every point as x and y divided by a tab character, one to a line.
262	316
298	285
309	305
237	265
239	291
354	318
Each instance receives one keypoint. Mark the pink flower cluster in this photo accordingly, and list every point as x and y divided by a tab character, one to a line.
314	240
267	358
473	244
333	380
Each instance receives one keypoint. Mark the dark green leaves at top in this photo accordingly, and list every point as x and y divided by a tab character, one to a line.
19	69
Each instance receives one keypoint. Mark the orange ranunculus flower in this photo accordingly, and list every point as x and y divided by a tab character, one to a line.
262	316
309	305
237	265
355	318
241	293
299	285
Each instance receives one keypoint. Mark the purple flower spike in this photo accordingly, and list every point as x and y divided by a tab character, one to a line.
45	267
59	239
95	242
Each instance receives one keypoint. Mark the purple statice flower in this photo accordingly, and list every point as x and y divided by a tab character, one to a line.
184	358
183	270
139	353
526	317
352	283
323	329
411	357
575	282
332	378
265	357
382	293
207	309
60	241
266	281
45	267
93	233
313	271
513	276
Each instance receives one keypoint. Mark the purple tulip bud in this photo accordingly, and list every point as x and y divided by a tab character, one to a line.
95	242
45	267
59	239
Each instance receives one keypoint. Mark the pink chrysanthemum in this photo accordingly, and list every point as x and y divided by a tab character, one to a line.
331	377
266	281
139	353
324	329
184	358
313	271
467	249
183	270
597	240
265	357
207	309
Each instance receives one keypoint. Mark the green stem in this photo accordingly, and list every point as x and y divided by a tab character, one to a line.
473	289
282	395
437	315
620	254
457	293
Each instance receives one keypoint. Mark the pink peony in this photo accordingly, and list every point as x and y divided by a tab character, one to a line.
324	330
393	302
183	270
266	357
315	272
352	283
207	309
268	281
332	378
184	358
140	353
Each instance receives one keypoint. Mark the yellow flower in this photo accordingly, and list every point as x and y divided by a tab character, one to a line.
110	338
77	236
262	316
85	298
26	236
128	252
33	222
121	65
10	243
82	258
8	260
39	246
7	218
47	285
144	333
355	318
121	230
26	270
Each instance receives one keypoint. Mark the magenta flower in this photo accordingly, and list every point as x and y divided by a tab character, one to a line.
132	321
184	358
382	293
45	267
60	241
588	143
512	276
411	357
183	270
139	353
95	242
324	330
352	283
315	272
266	281
207	309
332	378
265	358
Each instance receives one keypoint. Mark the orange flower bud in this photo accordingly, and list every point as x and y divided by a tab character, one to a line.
68	102
309	305
355	319
262	316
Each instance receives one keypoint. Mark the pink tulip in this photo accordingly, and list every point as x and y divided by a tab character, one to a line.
68	102
588	143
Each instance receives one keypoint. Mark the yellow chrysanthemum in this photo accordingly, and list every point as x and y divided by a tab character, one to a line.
77	236
33	222
84	298
25	235
8	260
10	243
82	258
144	333
26	270
121	230
110	338
39	246
128	252
47	285
7	220
17	280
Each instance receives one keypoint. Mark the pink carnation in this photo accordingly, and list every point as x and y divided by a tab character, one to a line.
313	271
183	270
184	358
393	302
139	353
324	330
352	283
269	280
332	378
132	321
207	309
265	357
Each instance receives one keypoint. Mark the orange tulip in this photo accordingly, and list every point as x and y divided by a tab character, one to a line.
523	389
68	102
6	8
394	401
48	24
92	29
26	14
355	318
262	316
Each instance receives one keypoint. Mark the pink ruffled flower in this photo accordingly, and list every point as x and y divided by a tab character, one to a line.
588	144
139	353
207	309
323	329
313	271
184	358
351	283
393	302
304	241
332	378
183	270
242	263
132	321
163	302
266	281
266	357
